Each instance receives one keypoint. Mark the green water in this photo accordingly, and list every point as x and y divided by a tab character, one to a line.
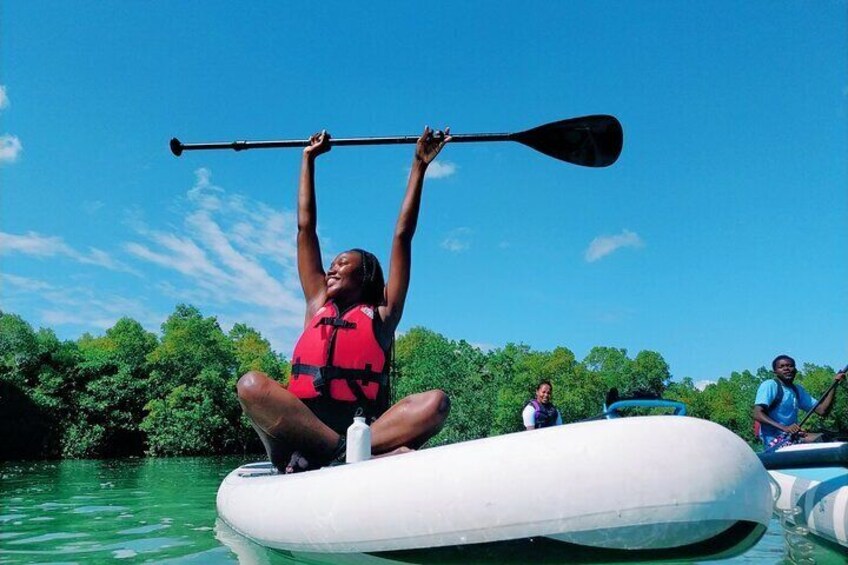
163	511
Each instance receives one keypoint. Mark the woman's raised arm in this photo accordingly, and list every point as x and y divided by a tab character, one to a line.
428	146
309	265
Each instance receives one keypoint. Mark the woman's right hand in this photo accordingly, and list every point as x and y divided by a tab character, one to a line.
429	144
318	143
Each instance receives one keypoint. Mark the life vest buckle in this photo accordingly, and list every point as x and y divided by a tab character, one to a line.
336	322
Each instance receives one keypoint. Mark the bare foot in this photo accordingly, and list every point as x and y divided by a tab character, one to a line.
398	451
297	463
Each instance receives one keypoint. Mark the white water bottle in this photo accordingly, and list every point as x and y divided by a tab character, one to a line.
358	441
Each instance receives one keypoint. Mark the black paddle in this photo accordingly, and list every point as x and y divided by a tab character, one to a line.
590	141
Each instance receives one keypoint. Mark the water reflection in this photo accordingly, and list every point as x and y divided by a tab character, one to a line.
163	510
135	509
770	550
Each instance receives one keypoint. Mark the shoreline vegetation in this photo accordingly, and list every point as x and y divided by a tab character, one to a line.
130	392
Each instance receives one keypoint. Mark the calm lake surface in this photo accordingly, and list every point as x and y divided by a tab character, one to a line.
163	511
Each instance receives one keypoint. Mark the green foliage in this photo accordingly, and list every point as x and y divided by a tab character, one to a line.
37	383
190	344
519	371
128	392
684	391
426	360
83	440
513	385
817	379
189	420
193	409
611	365
19	350
115	374
254	353
649	372
730	402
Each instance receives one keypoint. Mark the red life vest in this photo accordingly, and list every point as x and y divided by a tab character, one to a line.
338	355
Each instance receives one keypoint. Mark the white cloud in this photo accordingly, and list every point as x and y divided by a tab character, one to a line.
73	305
204	193
42	246
440	169
603	245
613	316
10	148
701	385
221	251
33	244
10	145
92	206
24	282
232	257
457	240
101	259
177	253
74	317
484	347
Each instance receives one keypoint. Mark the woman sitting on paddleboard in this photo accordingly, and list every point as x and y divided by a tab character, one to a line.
341	362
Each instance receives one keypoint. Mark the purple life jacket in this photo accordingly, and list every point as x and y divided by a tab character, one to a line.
546	415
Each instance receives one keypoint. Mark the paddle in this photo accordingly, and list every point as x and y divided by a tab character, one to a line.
786	438
590	141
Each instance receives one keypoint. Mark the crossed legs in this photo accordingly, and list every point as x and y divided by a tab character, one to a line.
285	424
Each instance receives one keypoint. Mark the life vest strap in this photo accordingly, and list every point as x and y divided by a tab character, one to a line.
323	375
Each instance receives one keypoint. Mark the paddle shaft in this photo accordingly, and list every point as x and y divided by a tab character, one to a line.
813	409
178	147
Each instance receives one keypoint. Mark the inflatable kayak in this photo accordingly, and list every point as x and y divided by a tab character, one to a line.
815	497
629	485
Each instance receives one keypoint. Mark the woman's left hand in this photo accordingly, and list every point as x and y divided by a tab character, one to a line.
430	143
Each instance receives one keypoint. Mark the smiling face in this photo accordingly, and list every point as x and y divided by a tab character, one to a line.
344	277
543	393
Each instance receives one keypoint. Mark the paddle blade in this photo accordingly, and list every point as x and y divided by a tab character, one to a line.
176	147
590	141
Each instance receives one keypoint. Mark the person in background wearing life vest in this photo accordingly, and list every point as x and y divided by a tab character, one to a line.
539	412
340	364
778	400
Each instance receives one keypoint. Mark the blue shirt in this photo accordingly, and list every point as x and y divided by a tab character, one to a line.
785	413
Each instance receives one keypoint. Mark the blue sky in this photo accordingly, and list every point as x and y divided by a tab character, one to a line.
718	239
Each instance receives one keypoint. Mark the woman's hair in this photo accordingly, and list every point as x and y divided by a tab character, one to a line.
544	382
373	283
